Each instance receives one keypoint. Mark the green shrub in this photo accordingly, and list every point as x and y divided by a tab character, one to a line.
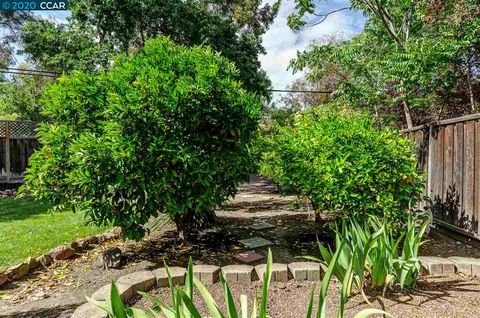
164	131
370	253
345	163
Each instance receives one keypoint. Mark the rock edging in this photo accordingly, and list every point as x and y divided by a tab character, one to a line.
130	284
58	253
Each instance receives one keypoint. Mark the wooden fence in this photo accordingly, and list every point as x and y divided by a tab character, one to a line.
449	153
17	143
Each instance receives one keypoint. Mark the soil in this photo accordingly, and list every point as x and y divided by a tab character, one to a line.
57	290
432	297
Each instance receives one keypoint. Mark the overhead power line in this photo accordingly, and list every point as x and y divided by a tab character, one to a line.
19	71
31	72
299	91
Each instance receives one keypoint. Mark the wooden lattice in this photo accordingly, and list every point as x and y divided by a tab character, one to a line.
17	129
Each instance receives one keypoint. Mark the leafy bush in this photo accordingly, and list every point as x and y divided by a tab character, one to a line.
183	305
369	252
345	163
164	131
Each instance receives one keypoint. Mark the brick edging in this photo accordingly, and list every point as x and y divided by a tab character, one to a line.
58	253
130	284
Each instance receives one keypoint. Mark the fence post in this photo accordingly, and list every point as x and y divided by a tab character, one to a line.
430	159
7	152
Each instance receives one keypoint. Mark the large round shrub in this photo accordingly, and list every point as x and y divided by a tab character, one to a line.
345	163
164	131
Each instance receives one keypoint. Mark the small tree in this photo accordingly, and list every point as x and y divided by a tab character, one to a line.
164	131
344	163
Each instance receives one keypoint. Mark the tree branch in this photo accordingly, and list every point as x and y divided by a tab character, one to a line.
325	16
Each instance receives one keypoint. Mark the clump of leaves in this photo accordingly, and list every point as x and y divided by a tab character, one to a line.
164	131
369	253
345	164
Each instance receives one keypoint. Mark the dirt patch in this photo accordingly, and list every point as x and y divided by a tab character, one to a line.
443	246
452	296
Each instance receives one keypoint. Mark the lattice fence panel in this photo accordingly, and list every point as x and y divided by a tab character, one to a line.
17	129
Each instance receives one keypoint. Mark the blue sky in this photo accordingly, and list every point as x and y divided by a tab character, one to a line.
281	43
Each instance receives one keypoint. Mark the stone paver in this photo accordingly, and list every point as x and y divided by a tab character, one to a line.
177	274
237	273
432	265
305	271
279	272
139	281
89	310
125	291
207	274
467	265
261	226
249	257
255	242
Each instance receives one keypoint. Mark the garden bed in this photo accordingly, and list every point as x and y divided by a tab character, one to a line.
449	296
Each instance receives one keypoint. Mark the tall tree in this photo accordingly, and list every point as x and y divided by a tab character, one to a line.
105	28
402	60
11	23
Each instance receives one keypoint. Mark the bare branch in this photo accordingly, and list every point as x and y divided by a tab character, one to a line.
325	16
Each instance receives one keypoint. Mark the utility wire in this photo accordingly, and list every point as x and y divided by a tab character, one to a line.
19	71
298	91
28	73
29	70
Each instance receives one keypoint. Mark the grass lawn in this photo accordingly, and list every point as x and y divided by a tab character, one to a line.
27	229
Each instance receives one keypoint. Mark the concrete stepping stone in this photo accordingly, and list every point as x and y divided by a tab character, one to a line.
249	257
467	265
207	274
279	272
177	274
261	226
305	271
237	273
432	265
256	242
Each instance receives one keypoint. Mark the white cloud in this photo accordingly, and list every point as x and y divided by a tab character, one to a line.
282	44
59	16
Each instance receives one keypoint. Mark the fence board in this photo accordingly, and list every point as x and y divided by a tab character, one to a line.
477	174
437	167
447	160
471	223
458	169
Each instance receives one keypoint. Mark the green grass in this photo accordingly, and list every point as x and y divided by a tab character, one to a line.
28	229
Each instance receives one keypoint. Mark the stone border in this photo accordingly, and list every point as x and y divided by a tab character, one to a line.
130	284
56	254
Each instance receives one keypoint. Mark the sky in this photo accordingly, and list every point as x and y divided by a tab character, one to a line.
281	43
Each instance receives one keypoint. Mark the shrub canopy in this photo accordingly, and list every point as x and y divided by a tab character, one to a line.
344	163
164	131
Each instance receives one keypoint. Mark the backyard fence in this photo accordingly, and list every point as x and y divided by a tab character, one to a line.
449	153
17	143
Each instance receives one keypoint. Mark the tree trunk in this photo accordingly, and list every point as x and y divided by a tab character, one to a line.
408	115
470	90
180	222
